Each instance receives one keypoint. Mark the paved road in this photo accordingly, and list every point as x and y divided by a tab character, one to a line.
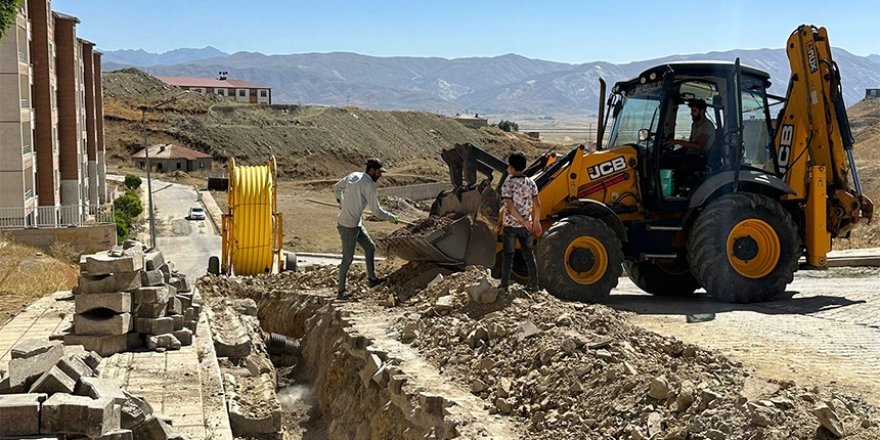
187	243
826	333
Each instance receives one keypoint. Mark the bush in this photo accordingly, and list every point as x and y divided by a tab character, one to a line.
508	125
8	11
123	226
132	182
128	205
65	252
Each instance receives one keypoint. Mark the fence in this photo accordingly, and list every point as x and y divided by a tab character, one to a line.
54	216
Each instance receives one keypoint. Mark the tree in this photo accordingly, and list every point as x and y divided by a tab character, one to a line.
128	205
508	125
132	182
8	11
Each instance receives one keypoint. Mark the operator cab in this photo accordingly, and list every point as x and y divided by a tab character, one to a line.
652	110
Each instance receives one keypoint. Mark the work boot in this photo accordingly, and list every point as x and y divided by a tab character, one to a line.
373	282
345	295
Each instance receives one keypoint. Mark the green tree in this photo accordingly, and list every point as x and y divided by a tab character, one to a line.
8	11
123	227
132	182
508	125
128	205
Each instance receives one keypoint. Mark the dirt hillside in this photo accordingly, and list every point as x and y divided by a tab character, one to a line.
308	142
865	120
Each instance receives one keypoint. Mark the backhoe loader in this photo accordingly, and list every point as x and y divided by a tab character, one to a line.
772	189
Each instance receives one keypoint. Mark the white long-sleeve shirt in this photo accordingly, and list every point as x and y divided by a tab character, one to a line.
354	192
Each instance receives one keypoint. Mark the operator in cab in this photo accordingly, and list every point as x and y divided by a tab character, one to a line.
691	159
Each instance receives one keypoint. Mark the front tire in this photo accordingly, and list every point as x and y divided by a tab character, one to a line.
744	248
662	279
579	259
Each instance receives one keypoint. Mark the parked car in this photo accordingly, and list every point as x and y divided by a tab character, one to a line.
196	213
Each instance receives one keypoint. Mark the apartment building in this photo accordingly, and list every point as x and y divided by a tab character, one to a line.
51	121
233	89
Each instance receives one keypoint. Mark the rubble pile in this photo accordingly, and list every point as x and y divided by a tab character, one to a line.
127	298
576	370
55	390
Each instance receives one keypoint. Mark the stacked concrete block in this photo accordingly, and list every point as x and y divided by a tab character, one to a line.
128	298
64	397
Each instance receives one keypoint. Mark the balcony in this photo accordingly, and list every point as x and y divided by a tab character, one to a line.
55	216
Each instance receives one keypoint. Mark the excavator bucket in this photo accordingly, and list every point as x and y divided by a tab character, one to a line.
461	230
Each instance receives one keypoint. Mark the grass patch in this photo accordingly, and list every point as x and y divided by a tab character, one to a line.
27	274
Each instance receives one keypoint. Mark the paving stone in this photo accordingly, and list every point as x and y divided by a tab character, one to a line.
130	243
102	325
185	336
100	388
191	325
118	302
181	283
102	345
174	307
153	429
152	295
23	372
150	310
166	269
189	314
117	282
20	414
166	341
154	260
75	367
5	388
178	322
32	347
54	381
121	434
92	359
79	416
152	278
103	263
154	326
186	300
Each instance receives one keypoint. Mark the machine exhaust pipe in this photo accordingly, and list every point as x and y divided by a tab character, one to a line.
600	129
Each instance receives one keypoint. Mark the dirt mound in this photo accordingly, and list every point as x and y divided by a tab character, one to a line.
865	121
569	370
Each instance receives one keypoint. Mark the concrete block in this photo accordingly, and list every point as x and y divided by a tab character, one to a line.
185	336
75	367
153	429
102	345
150	310
103	263
154	260
152	295
152	278
178	322
118	302
5	388
166	269
186	300
117	282
135	411
174	307
20	414
32	347
54	381
79	416
100	388
181	283
92	359
189	314
102	325
128	244
23	372
191	325
166	341
154	326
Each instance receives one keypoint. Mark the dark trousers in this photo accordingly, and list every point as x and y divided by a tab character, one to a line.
509	239
350	238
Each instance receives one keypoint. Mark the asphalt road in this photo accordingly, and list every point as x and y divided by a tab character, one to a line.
186	243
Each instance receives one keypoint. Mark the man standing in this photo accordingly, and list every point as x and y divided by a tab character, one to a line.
522	220
354	192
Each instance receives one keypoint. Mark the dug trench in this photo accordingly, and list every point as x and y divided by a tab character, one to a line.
436	354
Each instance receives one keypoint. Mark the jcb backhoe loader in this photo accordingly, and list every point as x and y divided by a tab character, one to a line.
770	189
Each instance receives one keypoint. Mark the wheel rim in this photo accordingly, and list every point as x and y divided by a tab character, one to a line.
586	260
753	248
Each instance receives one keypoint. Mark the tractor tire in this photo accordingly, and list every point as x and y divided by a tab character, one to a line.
744	248
661	280
214	265
579	259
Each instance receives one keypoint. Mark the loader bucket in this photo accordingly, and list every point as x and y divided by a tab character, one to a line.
463	242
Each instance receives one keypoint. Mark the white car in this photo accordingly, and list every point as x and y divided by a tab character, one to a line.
196	213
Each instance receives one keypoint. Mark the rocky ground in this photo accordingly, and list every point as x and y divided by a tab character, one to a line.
570	370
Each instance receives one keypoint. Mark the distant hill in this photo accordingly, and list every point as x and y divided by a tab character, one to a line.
142	58
874	57
503	85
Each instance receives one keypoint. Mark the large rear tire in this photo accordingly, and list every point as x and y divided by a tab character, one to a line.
579	258
662	279
214	265
744	248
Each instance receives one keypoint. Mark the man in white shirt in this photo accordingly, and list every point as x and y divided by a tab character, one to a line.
354	192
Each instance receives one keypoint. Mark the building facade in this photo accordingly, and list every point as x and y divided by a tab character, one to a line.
46	96
234	89
167	158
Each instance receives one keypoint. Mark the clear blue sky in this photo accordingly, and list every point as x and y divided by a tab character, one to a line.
567	31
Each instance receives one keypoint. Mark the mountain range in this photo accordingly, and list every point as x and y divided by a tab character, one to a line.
503	85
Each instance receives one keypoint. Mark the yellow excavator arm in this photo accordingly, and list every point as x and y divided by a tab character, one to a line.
814	145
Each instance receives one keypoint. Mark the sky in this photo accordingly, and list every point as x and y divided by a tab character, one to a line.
566	31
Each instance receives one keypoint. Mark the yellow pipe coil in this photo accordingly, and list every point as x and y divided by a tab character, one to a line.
251	241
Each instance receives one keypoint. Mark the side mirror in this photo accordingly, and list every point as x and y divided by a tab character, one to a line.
643	134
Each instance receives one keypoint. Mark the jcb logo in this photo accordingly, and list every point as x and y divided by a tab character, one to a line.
785	140
606	168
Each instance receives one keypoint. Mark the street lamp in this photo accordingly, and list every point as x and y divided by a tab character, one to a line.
147	162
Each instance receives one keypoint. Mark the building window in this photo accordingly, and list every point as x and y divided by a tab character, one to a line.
242	93
201	164
178	165
264	93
